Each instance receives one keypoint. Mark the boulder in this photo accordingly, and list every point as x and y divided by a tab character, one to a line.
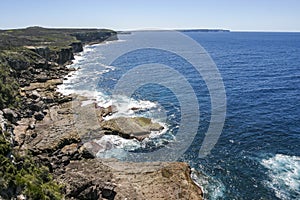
35	95
10	115
108	111
70	149
39	106
39	116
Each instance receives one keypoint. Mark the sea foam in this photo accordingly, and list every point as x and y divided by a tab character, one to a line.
284	175
213	189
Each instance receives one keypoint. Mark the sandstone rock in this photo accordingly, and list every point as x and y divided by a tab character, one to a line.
39	116
85	179
111	179
20	130
35	95
90	149
3	123
77	47
129	128
65	55
10	115
43	51
108	110
69	150
42	78
157	180
39	106
65	160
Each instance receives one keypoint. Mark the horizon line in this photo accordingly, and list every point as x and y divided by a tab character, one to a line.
147	28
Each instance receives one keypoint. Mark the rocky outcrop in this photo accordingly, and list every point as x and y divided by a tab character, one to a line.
58	142
77	47
108	179
65	55
10	115
62	56
43	51
18	64
131	128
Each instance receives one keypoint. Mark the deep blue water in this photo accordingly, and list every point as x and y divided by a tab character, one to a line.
261	73
258	153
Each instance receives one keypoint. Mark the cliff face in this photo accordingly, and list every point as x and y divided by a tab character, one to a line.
65	55
95	37
78	47
56	45
43	124
35	54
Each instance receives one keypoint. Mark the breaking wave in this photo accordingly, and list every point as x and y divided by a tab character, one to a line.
284	175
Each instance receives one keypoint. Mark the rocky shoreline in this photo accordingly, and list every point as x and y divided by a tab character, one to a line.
44	126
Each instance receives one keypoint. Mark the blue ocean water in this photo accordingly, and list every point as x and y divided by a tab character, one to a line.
261	73
258	153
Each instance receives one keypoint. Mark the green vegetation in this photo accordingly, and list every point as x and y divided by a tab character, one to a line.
8	87
34	36
57	38
24	176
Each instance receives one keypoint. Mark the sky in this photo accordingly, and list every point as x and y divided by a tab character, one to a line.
235	15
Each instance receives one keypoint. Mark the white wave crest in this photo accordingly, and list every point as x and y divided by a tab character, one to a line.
212	188
127	106
284	174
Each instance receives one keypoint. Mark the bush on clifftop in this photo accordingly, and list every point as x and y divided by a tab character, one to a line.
8	87
23	176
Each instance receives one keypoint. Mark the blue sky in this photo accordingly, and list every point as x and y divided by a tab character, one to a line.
245	15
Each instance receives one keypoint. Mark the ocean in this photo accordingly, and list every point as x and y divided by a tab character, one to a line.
180	79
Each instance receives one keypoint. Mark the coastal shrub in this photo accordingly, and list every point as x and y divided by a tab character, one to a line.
8	87
4	146
24	176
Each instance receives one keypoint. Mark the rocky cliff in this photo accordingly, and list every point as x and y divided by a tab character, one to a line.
44	153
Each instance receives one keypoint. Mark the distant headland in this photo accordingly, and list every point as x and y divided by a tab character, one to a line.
203	30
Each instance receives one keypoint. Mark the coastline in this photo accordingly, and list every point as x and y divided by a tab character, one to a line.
192	174
56	141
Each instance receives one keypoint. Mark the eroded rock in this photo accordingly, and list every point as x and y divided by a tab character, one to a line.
130	128
10	115
110	179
